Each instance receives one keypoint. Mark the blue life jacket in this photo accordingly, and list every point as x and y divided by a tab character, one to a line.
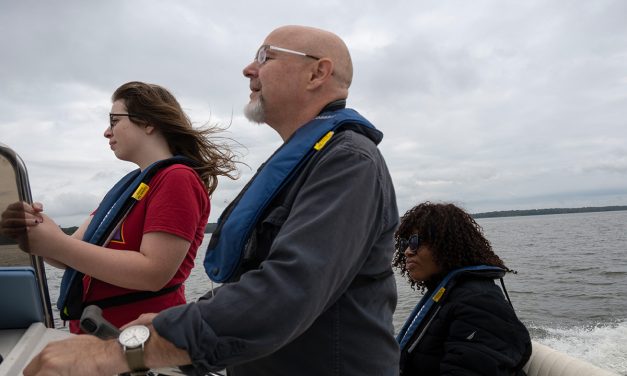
431	302
228	242
111	212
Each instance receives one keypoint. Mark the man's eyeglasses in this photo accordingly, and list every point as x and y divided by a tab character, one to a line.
262	53
413	243
113	122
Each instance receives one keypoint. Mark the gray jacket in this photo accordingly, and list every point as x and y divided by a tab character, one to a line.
309	308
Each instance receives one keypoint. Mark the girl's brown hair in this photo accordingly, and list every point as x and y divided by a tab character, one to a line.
154	105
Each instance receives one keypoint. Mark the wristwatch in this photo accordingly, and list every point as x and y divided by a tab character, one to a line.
132	340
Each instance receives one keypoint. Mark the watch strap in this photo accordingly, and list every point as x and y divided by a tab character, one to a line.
135	360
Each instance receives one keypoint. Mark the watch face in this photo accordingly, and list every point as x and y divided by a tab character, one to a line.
134	336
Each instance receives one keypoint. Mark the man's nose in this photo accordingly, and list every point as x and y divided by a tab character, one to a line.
251	69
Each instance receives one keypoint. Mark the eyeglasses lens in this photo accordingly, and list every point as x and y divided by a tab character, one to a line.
414	243
402	244
261	55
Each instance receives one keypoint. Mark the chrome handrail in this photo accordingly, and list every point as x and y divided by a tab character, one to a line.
24	194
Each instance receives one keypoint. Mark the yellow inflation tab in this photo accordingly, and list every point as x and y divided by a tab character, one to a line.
141	191
437	296
323	141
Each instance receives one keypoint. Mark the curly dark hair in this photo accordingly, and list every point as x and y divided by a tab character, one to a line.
155	105
454	237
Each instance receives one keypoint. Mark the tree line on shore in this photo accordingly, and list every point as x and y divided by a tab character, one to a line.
517	213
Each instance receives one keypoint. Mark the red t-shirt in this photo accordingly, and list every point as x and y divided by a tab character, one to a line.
176	203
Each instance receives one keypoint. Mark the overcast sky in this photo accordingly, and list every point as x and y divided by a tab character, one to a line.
493	105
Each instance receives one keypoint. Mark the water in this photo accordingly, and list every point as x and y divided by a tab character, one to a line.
570	290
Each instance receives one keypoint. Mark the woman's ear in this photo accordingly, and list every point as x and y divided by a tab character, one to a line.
149	129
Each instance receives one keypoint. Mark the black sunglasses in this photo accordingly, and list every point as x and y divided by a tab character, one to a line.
413	243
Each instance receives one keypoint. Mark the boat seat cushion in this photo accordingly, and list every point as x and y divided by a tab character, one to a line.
20	299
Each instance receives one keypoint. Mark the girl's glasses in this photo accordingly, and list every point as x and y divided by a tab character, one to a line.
113	120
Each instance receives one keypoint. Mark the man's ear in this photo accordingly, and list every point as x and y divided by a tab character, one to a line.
321	72
149	129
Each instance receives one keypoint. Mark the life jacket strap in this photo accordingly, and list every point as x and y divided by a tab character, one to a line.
132	297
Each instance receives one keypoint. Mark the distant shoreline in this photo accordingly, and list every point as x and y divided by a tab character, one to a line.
519	213
492	214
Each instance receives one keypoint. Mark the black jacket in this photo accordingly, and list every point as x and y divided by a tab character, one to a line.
475	332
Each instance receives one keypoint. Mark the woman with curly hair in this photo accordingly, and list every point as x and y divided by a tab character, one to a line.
147	252
464	324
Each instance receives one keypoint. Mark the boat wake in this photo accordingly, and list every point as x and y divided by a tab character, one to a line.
604	345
